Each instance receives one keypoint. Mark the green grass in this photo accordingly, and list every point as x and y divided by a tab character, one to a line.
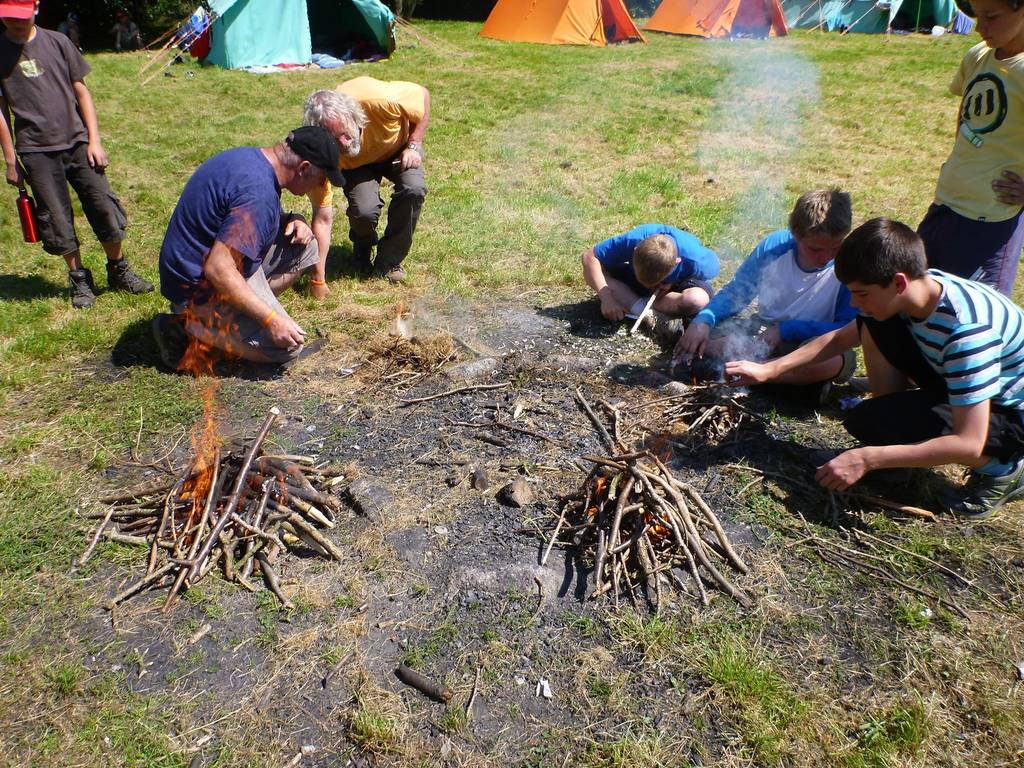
534	153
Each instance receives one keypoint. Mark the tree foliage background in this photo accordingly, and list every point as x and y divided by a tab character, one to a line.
98	16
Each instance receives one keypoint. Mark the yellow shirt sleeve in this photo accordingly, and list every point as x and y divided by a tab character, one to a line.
322	196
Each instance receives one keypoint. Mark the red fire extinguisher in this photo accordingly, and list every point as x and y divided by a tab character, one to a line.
27	214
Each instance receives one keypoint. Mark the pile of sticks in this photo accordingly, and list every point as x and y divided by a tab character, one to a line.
643	525
256	507
643	528
698	418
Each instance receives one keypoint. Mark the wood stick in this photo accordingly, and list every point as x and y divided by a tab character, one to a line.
924	514
122	538
472	695
554	535
424	685
326	544
236	491
140	585
605	437
271	580
643	314
291	458
456	391
93	541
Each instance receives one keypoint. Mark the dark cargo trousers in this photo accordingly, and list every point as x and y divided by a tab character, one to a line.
362	189
49	174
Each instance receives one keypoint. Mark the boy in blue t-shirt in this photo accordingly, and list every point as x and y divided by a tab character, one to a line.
790	275
627	269
945	365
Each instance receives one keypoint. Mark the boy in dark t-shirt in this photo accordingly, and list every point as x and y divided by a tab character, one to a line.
55	142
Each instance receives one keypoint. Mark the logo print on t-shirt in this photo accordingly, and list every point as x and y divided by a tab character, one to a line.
30	68
983	108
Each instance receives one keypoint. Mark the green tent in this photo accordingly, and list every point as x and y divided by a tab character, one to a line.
255	33
868	15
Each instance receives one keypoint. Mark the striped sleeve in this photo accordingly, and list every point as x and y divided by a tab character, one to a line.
971	364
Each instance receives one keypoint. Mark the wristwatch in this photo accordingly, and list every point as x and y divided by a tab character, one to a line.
415	148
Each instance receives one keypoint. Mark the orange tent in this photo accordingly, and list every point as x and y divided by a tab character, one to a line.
719	18
574	22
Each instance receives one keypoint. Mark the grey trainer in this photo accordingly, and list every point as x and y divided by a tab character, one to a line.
83	292
393	275
983	495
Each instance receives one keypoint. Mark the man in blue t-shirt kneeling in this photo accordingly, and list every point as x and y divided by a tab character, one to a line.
626	270
229	250
945	365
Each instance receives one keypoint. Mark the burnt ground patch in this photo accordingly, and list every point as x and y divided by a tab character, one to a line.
442	574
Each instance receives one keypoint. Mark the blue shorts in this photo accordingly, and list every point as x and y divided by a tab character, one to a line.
985	251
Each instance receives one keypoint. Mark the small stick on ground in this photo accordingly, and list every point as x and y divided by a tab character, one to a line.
456	391
94	541
472	695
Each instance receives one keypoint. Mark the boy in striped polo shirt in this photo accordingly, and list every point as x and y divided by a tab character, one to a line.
945	360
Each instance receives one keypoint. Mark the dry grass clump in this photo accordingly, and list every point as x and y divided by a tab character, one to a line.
378	721
387	353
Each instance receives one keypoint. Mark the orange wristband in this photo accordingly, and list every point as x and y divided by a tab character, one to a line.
315	281
268	318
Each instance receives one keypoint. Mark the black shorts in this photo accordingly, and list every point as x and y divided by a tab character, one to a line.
905	418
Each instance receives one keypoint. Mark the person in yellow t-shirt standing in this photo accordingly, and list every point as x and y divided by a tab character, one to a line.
380	128
974	229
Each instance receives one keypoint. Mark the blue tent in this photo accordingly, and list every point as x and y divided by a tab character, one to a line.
868	15
253	33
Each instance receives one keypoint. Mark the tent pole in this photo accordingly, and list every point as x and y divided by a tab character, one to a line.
869	10
841	9
805	10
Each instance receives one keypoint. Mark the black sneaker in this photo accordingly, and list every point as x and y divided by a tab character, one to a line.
171	339
121	278
982	495
83	292
362	256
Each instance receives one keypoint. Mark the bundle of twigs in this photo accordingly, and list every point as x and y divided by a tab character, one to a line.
254	507
642	527
696	417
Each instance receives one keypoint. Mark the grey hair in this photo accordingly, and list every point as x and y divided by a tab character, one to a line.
328	106
287	156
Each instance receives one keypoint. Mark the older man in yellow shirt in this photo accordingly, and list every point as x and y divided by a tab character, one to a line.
380	128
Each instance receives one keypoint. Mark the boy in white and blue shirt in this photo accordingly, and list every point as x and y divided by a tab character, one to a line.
790	276
945	362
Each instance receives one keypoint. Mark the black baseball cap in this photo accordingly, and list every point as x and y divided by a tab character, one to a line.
318	146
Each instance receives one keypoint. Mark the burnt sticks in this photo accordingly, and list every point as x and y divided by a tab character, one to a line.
647	531
235	511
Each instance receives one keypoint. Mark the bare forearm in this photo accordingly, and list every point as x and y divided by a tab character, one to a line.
947	449
227	281
593	272
816	350
88	111
6	135
322	226
418	131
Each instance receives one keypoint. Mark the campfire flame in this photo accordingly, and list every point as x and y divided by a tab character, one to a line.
199	360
